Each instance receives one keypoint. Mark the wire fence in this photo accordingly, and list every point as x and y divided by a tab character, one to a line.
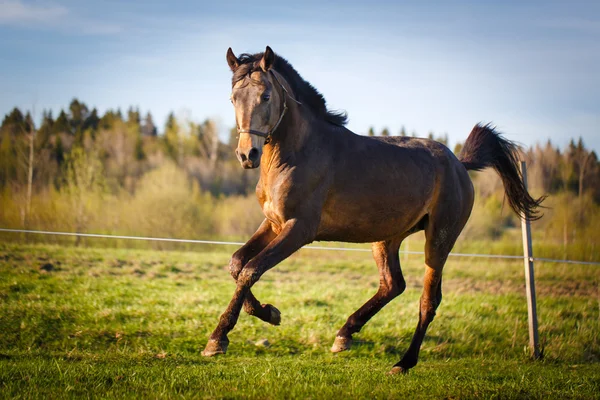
225	243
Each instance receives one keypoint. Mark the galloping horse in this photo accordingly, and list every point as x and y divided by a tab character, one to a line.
320	181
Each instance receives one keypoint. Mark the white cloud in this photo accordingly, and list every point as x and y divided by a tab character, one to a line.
16	12
51	16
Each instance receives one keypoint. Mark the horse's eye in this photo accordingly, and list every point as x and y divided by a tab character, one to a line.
266	97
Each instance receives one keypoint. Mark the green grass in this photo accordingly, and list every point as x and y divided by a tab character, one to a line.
131	323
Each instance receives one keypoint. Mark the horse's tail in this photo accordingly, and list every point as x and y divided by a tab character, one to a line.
485	147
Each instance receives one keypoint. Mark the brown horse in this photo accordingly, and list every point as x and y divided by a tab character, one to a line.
320	181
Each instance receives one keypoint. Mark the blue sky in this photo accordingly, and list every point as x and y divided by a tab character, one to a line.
533	68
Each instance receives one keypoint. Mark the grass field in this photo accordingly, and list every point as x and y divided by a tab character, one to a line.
77	322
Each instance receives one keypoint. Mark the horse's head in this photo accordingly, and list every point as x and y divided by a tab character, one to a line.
259	101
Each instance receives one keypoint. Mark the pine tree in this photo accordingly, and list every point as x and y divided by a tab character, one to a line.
61	125
385	132
133	115
371	131
13	123
59	151
78	114
45	131
139	149
8	162
29	124
171	122
171	137
107	120
133	118
92	122
149	129
78	111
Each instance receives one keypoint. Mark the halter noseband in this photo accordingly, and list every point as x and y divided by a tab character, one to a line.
267	135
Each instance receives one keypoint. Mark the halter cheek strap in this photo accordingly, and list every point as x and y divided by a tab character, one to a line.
267	135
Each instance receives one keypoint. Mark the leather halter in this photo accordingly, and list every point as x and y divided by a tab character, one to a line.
267	135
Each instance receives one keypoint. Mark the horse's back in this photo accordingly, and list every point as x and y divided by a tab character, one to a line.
441	157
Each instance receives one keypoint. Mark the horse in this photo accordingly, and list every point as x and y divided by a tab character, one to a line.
320	181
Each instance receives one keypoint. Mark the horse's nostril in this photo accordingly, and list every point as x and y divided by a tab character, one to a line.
253	154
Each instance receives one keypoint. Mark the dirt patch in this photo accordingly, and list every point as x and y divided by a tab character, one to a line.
568	288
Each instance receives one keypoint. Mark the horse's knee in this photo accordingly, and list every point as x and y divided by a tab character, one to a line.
235	265
248	277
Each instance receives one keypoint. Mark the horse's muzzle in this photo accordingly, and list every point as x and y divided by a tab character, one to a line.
249	160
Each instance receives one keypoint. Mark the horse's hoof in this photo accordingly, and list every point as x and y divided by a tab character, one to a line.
214	347
341	344
398	371
275	315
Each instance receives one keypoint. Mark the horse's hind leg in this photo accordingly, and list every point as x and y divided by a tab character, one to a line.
439	242
391	284
427	307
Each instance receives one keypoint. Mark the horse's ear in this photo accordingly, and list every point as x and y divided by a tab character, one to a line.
232	60
268	59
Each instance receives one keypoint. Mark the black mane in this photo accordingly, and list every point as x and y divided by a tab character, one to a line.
304	92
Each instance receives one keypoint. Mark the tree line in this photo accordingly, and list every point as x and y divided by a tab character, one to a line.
127	145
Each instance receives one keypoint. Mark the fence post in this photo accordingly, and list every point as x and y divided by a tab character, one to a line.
534	346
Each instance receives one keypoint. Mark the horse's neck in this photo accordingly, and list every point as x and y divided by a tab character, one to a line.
294	134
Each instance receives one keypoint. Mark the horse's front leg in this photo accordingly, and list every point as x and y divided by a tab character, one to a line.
261	238
293	236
